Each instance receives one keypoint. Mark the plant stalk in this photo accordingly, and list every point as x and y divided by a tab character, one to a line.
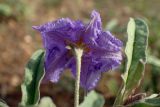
78	54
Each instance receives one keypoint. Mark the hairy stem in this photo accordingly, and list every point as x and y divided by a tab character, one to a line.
78	54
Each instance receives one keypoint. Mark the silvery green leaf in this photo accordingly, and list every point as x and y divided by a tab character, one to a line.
3	103
34	72
93	99
136	68
152	102
136	57
46	102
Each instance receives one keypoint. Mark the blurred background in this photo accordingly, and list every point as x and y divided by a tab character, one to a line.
18	41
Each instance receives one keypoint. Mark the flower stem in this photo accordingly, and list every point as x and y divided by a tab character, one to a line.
78	54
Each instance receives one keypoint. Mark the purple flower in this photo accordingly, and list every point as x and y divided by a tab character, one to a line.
102	51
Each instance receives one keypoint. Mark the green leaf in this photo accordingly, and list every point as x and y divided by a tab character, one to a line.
3	104
129	46
136	68
5	10
112	24
46	102
34	72
93	100
153	60
136	57
154	102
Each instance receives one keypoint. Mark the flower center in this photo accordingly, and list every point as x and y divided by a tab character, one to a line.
77	44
